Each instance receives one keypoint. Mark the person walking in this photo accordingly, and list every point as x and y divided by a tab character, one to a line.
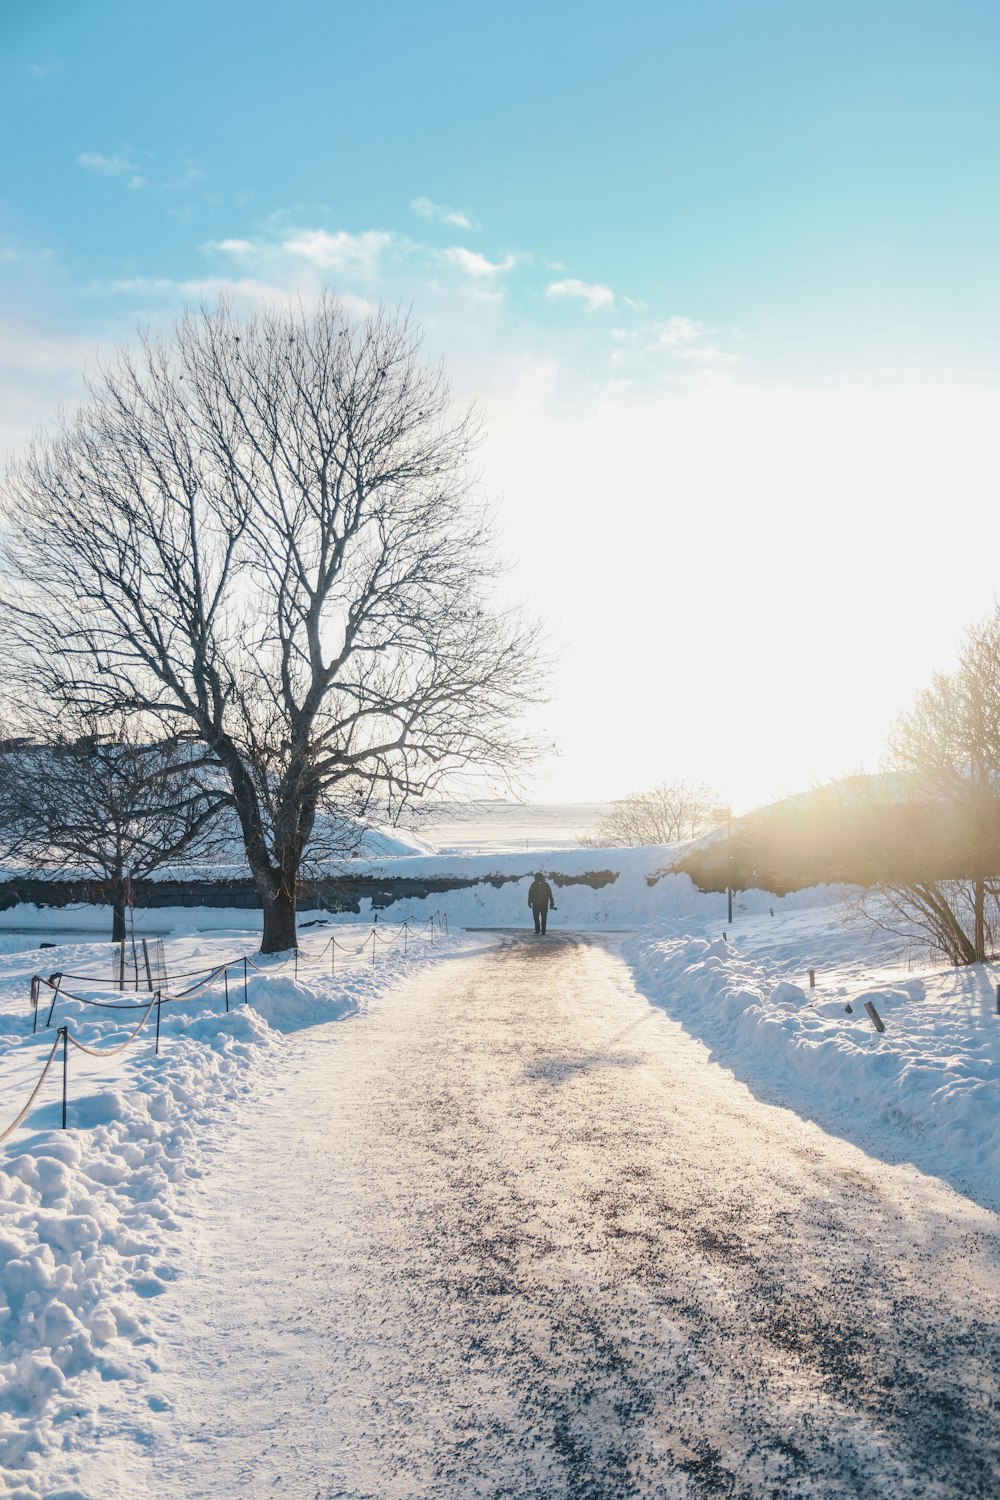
540	898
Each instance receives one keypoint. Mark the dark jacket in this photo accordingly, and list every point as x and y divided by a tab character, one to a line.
540	895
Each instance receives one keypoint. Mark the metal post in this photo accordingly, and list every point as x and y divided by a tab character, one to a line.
998	999
35	982
225	976
245	1000
55	997
812	979
158	996
405	932
729	908
296	965
373	947
65	1036
333	956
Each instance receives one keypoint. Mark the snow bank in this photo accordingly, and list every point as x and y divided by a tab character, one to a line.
927	1091
86	1215
632	891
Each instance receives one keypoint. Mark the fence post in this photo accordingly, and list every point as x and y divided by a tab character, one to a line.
159	994
373	947
55	997
296	963
145	959
36	982
333	956
405	936
225	976
812	979
998	999
64	1032
874	1016
245	1000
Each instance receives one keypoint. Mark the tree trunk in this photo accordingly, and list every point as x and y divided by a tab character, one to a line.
279	920
980	933
117	891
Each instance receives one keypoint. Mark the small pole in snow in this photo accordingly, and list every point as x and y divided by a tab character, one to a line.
998	999
874	1016
405	930
225	976
245	979
812	979
36	984
296	964
771	910
725	939
158	995
333	956
65	1040
373	947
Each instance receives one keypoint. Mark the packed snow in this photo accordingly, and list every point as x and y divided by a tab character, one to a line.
88	1235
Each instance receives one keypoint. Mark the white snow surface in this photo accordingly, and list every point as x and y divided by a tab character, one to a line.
89	1216
927	1090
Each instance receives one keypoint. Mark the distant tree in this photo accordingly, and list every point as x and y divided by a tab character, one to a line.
106	806
665	815
262	532
947	750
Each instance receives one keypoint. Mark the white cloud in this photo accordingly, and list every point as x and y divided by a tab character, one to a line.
42	70
347	254
709	354
105	166
138	182
678	331
592	293
426	208
233	247
474	264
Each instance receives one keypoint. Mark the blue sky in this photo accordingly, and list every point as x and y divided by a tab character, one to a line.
615	223
818	171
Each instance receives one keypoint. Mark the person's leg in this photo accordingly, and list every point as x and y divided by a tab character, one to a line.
545	918
537	916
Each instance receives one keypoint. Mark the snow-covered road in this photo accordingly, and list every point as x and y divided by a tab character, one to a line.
513	1234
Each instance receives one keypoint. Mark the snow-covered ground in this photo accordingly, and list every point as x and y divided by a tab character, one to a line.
926	1090
88	1215
87	1230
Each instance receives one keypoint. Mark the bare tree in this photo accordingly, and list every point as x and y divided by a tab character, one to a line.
946	752
107	806
262	531
665	815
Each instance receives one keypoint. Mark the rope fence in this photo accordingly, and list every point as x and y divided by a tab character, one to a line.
158	999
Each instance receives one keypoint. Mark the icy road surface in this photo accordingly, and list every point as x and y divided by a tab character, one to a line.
514	1234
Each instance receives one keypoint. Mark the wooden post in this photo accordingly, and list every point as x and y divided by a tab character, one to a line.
812	979
145	959
874	1016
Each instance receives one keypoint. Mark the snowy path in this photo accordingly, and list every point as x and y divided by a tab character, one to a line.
512	1234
